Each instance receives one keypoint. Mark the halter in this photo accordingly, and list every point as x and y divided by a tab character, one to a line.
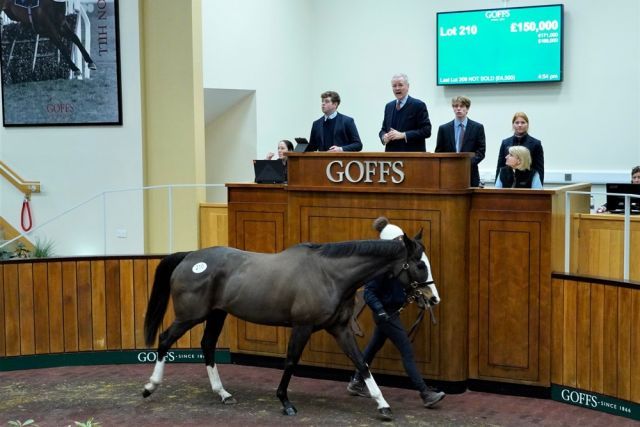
412	295
412	289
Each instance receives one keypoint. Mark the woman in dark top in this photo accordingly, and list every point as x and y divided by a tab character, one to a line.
518	173
385	295
520	123
283	146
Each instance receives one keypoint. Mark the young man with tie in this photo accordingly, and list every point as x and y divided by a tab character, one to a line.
463	135
333	131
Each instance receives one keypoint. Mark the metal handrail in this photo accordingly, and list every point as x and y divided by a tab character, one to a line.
626	229
104	211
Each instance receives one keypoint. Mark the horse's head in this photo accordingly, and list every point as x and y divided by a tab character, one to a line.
420	286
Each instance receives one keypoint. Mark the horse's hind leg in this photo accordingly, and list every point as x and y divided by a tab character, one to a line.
299	337
212	330
165	341
71	35
347	342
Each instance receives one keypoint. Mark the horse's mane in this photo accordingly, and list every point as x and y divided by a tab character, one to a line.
385	248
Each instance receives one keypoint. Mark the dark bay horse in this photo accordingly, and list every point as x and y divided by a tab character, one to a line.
48	19
307	287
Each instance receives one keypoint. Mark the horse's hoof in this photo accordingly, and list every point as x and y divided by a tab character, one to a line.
229	400
93	66
289	411
146	393
385	414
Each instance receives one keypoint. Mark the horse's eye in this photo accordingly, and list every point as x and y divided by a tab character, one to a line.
421	265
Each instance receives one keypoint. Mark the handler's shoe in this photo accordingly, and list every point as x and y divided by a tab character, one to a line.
430	397
357	387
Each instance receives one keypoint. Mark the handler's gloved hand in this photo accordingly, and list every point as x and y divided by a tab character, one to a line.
383	316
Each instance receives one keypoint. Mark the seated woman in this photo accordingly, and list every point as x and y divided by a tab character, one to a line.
283	146
520	124
518	173
635	179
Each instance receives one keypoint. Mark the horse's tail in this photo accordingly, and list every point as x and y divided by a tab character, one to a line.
160	295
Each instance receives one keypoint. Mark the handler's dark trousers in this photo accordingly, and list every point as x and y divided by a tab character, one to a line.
394	330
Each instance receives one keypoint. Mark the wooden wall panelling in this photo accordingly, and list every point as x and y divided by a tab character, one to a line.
25	294
510	286
634	348
596	333
3	317
583	335
112	300
625	332
610	341
578	203
140	298
214	225
12	310
557	320
85	324
70	306
214	231
597	246
127	316
596	343
56	319
98	305
256	220
509	281
151	268
348	216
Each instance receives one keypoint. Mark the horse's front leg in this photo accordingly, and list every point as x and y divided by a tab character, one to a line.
212	330
299	337
347	342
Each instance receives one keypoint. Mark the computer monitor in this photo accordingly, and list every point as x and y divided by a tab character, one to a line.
301	145
615	203
269	171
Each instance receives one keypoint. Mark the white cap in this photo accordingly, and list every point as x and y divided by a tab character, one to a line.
390	232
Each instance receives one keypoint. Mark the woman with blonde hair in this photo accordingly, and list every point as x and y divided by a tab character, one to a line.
518	173
520	125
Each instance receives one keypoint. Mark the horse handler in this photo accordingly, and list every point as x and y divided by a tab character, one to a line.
385	294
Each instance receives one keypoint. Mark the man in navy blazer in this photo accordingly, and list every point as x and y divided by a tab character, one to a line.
333	131
463	135
406	124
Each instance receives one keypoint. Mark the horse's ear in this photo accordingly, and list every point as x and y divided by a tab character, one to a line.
408	243
419	235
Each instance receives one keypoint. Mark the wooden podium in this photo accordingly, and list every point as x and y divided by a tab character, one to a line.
492	252
335	197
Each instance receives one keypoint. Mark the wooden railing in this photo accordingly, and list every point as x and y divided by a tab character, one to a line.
594	337
69	305
26	187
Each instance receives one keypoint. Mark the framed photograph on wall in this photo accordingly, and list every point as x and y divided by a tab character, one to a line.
60	63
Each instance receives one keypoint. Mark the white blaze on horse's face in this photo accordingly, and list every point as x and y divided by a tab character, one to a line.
435	299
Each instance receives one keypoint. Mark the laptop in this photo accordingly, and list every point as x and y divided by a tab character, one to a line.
615	202
269	171
301	145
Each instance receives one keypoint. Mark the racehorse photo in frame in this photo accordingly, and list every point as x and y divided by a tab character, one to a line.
60	62
308	287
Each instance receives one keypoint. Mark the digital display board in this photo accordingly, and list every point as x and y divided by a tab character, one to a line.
510	45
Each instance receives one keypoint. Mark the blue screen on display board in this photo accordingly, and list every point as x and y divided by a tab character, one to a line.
510	45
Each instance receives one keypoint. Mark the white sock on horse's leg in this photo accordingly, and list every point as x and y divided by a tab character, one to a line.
216	384
156	377
375	392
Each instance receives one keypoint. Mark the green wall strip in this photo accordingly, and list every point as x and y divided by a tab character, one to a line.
595	401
